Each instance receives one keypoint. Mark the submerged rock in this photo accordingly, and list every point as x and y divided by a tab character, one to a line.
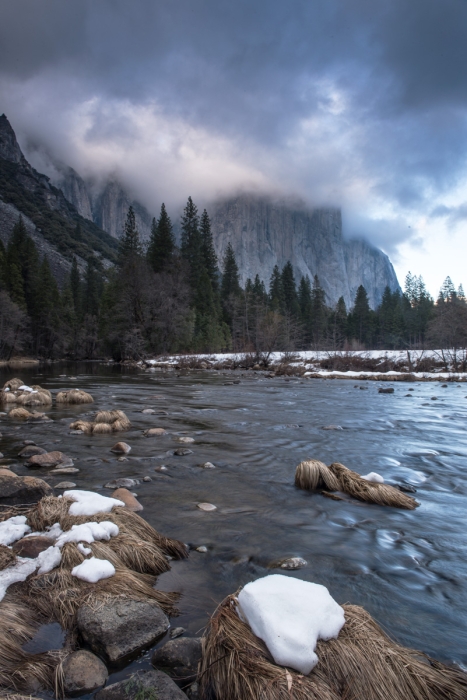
176	632
332	427
151	685
121	627
179	658
23	489
186	440
155	432
83	673
65	470
293	563
207	465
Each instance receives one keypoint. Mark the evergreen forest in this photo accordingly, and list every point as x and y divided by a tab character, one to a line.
163	298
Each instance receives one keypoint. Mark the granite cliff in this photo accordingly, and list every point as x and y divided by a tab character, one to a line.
265	232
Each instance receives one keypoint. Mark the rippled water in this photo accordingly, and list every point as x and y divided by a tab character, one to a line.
408	569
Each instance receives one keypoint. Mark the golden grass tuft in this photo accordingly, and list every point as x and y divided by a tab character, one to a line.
138	555
312	475
71	556
363	663
101	428
43	397
103	423
7	557
47	512
83	425
19	414
13	384
104	417
74	396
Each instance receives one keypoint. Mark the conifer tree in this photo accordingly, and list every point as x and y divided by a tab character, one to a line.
130	244
92	289
230	287
209	254
318	311
191	244
75	287
362	316
162	242
276	296
289	291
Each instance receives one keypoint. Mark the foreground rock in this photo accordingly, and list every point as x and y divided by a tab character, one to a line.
152	685
22	490
179	658
128	499
83	673
4	471
121	627
31	547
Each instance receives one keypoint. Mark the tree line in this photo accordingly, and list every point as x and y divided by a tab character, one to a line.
167	299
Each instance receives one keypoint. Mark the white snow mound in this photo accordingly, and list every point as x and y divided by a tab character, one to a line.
290	615
89	503
373	476
84	550
13	529
18	572
93	570
89	532
48	559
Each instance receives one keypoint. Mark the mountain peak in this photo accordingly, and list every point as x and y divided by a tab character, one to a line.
9	147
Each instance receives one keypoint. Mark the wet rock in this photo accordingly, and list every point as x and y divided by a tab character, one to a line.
162	468
293	563
128	499
206	506
182	451
121	448
148	410
408	396
65	470
65	485
121	627
192	691
121	483
434	398
406	488
122	459
66	462
146	479
236	381
186	440
384	390
202	549
83	673
47	459
151	685
7	472
28	442
31	547
207	465
23	489
363	388
31	450
332	427
176	632
155	432
444	386
179	658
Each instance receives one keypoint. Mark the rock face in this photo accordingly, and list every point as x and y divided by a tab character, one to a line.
152	684
83	673
121	627
22	490
264	233
179	658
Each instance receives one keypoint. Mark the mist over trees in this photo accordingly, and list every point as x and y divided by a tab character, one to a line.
164	299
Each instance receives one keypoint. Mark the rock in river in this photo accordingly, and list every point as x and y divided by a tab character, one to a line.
121	448
47	459
186	440
31	450
121	483
182	451
128	499
83	673
65	485
207	506
179	658
121	627
23	489
155	432
154	685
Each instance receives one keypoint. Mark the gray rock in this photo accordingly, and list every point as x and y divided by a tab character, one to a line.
47	459
65	485
388	390
22	489
83	673
31	450
179	658
293	563
121	448
176	632
65	470
121	627
151	685
147	479
121	483
332	427
182	451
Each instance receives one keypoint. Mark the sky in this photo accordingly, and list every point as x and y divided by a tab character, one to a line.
360	104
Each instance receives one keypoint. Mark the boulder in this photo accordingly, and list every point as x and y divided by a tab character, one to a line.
4	471
121	627
121	448
22	490
128	499
179	658
31	450
31	547
154	685
47	459
83	673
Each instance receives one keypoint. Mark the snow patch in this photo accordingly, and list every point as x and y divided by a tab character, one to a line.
48	560
13	529
84	550
18	572
290	615
93	570
373	476
89	532
89	503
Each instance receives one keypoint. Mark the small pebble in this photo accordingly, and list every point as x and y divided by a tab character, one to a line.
65	470
122	459
29	442
208	465
182	452
148	410
121	448
293	563
162	468
65	485
147	478
202	549
177	632
207	506
185	439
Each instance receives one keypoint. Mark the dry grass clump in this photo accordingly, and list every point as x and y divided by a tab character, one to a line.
104	422
47	512
74	396
312	475
361	664
19	414
7	557
13	384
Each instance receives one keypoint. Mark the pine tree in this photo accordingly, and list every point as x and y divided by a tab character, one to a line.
276	295
209	254
318	312
75	287
230	286
191	243
361	316
289	291
447	291
460	293
162	242
92	291
130	244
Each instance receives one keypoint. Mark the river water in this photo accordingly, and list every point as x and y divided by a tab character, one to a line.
407	568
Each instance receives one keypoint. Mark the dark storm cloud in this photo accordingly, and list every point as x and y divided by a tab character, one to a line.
264	75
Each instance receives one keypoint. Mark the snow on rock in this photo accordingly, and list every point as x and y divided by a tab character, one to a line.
290	615
24	387
89	532
13	529
93	570
89	503
84	550
373	476
48	559
18	572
